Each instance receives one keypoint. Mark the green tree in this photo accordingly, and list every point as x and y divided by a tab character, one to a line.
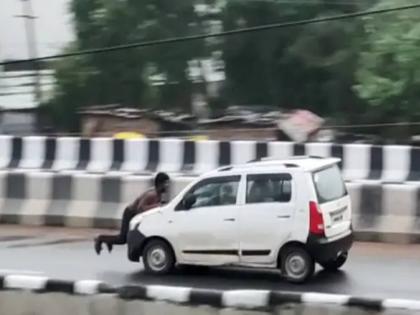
388	75
308	66
123	76
70	92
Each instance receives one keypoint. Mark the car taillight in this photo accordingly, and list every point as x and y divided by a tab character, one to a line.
316	222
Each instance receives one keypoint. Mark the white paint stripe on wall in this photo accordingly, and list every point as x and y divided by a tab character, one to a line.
171	155
33	152
135	155
207	155
356	161
243	151
399	203
318	149
67	153
38	194
280	150
396	163
85	200
101	155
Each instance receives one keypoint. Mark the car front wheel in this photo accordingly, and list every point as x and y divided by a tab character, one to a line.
158	257
296	264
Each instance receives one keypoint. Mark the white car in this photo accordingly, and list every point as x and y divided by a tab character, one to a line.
285	214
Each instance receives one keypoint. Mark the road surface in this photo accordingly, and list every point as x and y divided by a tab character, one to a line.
376	270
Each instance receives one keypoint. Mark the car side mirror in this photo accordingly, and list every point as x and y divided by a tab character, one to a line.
189	201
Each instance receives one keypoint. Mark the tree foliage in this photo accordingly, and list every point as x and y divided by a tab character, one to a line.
346	69
123	77
311	66
388	75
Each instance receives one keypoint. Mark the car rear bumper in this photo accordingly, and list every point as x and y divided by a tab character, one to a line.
323	249
135	244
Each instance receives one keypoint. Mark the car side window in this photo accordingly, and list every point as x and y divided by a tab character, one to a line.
221	191
264	188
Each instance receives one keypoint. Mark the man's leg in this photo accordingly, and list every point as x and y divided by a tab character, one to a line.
118	239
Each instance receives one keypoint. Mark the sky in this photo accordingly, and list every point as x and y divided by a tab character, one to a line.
53	28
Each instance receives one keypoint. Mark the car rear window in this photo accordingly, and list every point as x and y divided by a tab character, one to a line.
329	184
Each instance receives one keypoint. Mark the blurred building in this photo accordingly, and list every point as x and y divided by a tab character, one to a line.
111	119
239	128
18	121
17	87
18	105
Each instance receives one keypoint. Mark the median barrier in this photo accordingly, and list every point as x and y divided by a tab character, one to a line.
78	200
381	212
388	163
386	212
21	295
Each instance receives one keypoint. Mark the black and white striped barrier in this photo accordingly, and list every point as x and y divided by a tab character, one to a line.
107	155
82	200
381	212
54	292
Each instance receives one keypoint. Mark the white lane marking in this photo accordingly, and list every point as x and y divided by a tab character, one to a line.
245	298
19	272
24	282
87	286
173	294
325	298
412	305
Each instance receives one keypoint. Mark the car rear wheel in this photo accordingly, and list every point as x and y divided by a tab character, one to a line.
296	264
158	257
335	264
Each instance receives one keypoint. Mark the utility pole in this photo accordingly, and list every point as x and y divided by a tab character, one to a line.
29	18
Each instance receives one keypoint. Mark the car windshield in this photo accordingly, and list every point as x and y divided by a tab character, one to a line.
329	184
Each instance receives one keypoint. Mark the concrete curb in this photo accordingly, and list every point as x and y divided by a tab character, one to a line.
238	299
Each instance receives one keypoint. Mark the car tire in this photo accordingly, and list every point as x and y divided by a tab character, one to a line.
297	265
334	265
158	257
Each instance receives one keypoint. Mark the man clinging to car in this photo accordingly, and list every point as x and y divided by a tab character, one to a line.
150	199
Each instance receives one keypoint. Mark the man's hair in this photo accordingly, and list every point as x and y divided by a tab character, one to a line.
160	178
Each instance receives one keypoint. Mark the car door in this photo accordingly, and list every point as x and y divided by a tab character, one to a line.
207	232
266	217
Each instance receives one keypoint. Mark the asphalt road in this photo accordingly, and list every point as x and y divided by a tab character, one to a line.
376	270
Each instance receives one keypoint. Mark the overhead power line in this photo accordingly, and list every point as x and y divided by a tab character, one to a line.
219	34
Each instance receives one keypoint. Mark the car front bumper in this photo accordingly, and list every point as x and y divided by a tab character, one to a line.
135	244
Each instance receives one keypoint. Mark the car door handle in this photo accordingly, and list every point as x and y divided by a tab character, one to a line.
230	219
283	216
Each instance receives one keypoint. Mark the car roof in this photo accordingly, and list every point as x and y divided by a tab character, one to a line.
271	164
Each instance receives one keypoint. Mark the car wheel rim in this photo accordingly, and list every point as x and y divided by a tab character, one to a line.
157	258
295	266
342	258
